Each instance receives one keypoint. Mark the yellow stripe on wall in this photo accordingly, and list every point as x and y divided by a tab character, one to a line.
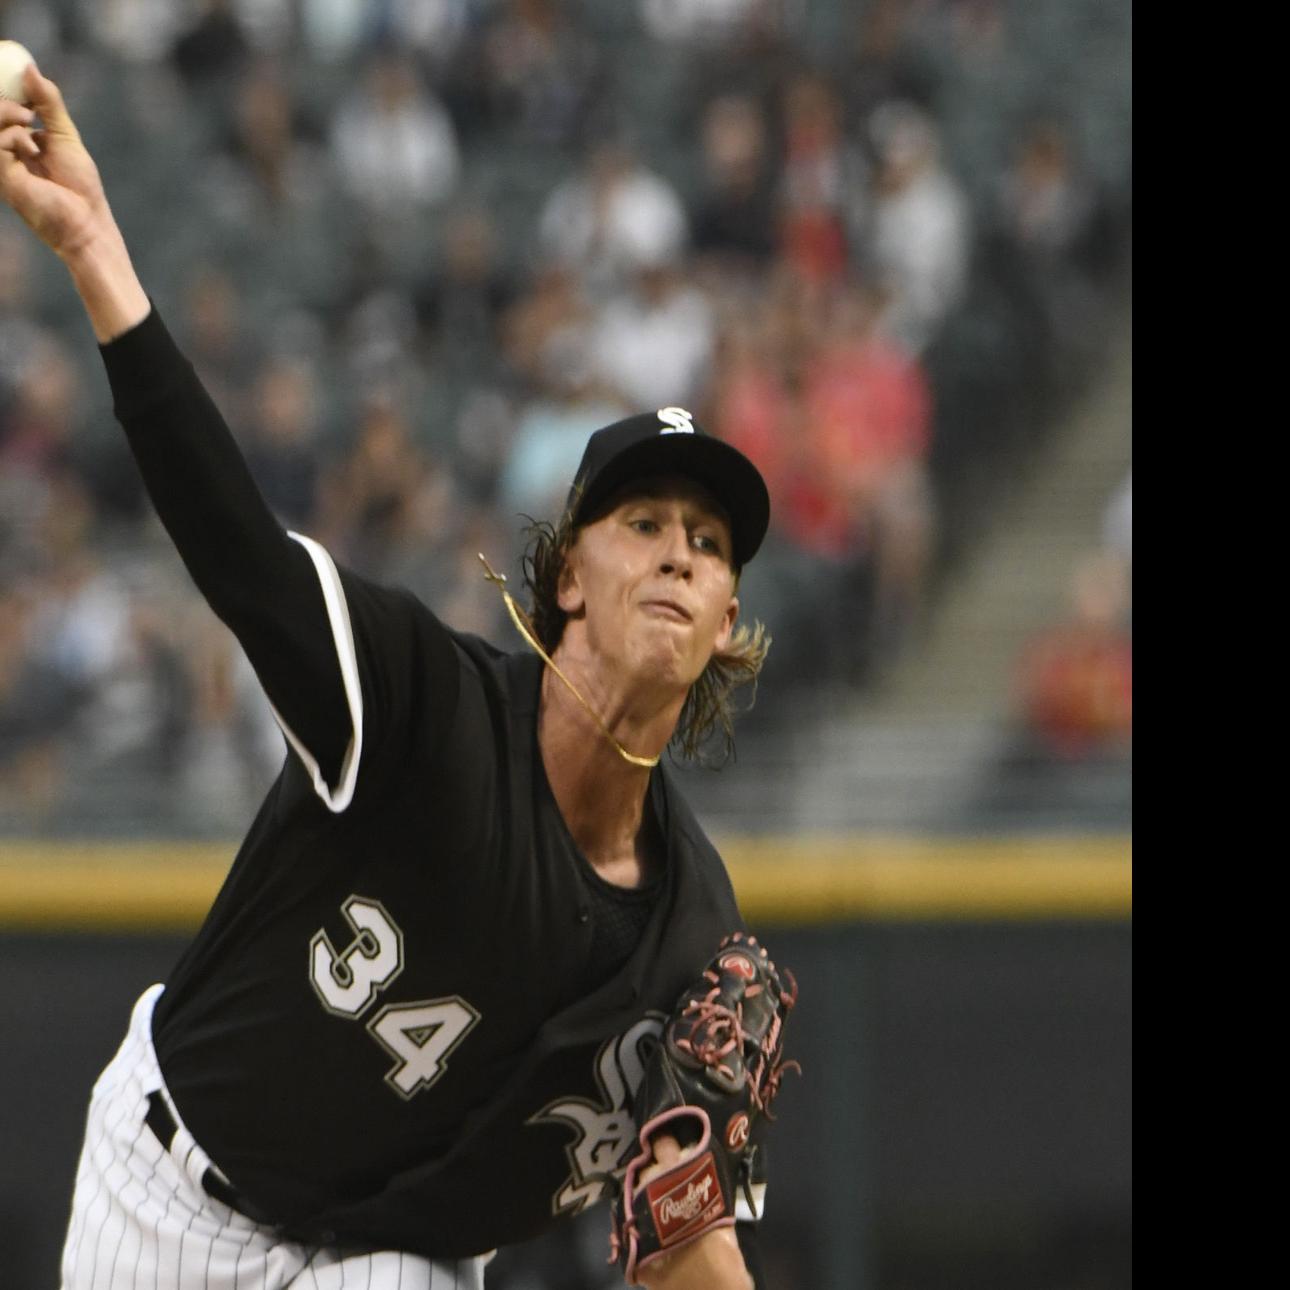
160	887
815	880
109	886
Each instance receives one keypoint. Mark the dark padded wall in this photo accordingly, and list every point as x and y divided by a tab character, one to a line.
963	1119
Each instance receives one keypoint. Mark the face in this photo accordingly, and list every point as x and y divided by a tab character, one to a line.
651	583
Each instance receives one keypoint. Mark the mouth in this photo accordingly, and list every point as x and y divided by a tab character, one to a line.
668	609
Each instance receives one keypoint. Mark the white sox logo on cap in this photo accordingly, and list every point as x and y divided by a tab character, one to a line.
676	421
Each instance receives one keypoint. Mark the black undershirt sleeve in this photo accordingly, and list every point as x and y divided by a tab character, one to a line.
259	581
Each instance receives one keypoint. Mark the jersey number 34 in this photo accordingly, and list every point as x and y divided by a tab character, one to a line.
420	1035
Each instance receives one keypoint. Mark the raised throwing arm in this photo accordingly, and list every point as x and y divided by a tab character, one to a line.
265	586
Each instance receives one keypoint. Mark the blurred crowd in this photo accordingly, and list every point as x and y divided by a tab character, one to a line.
419	249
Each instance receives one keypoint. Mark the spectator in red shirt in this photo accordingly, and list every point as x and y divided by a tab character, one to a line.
1076	679
823	184
866	423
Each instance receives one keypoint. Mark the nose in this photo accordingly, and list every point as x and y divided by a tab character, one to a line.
676	556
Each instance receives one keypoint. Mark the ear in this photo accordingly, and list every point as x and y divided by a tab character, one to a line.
569	594
727	627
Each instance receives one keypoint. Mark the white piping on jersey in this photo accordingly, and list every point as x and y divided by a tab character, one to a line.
343	634
745	1212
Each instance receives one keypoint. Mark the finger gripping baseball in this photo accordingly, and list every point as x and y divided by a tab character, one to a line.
712	1079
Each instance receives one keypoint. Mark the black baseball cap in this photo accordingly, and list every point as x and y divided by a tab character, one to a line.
668	442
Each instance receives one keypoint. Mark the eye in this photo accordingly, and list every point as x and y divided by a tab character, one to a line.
642	524
708	544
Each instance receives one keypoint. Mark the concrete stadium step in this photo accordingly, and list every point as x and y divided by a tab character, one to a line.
1017	581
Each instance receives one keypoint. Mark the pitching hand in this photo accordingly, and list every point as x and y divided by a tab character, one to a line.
47	175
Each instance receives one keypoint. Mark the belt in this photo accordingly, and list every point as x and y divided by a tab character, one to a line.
161	1120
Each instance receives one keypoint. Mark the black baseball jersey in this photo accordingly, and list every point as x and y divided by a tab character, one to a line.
412	1017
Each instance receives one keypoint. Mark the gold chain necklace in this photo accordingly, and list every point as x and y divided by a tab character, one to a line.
520	619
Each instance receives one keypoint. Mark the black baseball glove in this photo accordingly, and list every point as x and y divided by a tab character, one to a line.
709	1084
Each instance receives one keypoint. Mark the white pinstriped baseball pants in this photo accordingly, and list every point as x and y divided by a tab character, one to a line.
141	1220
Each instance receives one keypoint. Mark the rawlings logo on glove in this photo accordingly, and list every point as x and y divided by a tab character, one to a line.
710	1083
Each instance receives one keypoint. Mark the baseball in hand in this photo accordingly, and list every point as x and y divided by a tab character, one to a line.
13	62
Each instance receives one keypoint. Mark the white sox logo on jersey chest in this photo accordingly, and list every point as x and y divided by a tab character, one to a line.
606	1131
